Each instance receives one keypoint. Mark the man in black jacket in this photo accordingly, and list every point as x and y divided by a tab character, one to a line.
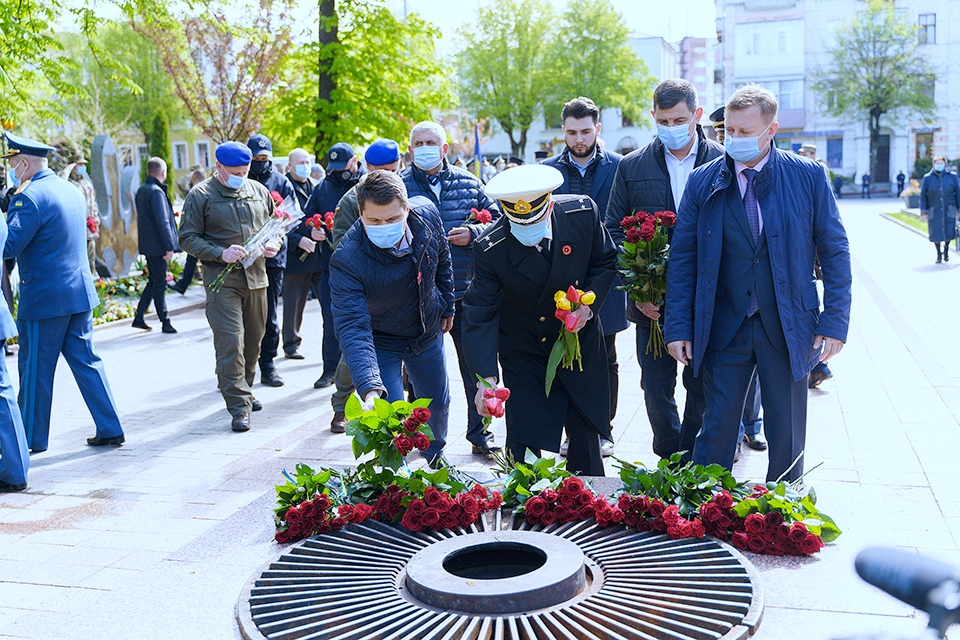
157	241
343	172
261	170
653	179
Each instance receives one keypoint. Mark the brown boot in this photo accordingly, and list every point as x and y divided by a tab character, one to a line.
339	423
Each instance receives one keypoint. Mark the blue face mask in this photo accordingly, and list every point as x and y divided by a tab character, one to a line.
235	182
939	167
742	149
14	177
81	170
530	234
385	236
302	170
674	138
427	158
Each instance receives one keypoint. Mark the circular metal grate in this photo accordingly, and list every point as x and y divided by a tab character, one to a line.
350	585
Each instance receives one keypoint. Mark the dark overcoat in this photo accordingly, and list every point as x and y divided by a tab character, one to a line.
509	307
940	201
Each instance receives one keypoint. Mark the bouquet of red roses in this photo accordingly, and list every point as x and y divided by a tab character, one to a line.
389	431
643	264
572	305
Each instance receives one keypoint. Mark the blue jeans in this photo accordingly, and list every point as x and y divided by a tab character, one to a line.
427	372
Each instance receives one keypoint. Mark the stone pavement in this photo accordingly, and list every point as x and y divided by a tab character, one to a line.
157	538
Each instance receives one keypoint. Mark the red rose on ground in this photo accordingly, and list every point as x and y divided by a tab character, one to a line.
774	549
739	540
430	518
710	512
771	536
572	485
361	512
773	519
338	523
647	231
550	495
643	525
531	519
585	512
656	508
455	509
756	543
495	501
724	523
798	531
783	531
724	500
282	537
411	522
624	502
470	504
630	519
755	523
432	497
293	516
632	235
421	414
659	525
393	490
466	519
416	507
791	548
668	219
479	492
568	500
536	506
308	510
449	521
811	544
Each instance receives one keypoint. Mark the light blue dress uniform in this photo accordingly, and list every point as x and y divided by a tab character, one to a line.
14	459
47	236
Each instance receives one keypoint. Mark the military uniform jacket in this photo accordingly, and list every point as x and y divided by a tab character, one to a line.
508	309
47	219
215	217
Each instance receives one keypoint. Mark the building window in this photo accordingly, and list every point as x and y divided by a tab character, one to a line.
626	121
791	94
203	154
928	28
930	87
924	145
717	75
143	154
835	153
180	159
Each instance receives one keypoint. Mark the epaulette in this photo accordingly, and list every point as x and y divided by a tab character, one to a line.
491	237
23	185
570	203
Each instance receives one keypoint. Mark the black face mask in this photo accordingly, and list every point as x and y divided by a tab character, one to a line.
261	167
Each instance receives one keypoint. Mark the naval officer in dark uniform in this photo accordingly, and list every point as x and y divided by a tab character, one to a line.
47	221
542	245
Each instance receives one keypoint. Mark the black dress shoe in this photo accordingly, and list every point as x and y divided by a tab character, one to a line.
293	355
6	487
755	441
97	441
241	422
168	328
736	456
325	380
485	449
257	405
37	450
271	379
818	376
339	423
138	323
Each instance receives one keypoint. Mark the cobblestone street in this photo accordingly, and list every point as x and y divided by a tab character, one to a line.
157	538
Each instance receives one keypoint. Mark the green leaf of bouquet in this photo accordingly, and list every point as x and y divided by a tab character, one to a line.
390	458
808	504
556	353
542	484
382	407
522	490
745	507
529	458
353	409
426	430
781	489
356	447
830	531
421	403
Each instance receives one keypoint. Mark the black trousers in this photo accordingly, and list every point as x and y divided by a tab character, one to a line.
271	335
475	432
296	286
613	372
156	288
583	455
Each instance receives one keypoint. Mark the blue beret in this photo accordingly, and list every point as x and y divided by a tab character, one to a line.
233	154
260	144
382	152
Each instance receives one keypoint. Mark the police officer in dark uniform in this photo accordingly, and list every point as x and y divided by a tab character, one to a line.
261	170
542	245
47	222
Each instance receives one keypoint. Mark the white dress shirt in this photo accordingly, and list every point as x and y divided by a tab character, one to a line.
680	170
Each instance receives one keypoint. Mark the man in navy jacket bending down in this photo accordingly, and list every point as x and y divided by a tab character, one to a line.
391	281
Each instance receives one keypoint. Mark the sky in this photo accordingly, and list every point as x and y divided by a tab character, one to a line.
695	18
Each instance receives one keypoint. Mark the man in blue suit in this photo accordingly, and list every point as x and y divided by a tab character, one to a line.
47	236
14	459
588	170
741	287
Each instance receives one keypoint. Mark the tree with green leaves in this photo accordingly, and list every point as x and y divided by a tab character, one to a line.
590	56
160	147
370	76
876	70
504	67
221	69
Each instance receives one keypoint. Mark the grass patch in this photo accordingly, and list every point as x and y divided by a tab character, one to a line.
910	219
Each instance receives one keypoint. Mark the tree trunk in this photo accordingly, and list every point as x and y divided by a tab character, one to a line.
874	143
328	83
522	146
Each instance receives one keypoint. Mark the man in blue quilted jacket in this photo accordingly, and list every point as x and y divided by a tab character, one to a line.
455	192
391	285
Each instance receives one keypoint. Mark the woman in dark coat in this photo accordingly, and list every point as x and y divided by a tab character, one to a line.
939	203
